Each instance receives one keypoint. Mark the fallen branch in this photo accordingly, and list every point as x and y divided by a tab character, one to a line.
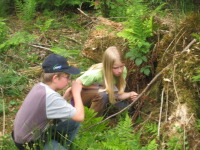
85	14
42	47
160	115
188	46
4	114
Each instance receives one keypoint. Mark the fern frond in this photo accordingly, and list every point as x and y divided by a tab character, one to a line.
19	8
18	38
151	127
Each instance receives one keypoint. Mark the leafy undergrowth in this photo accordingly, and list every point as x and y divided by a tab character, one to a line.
142	130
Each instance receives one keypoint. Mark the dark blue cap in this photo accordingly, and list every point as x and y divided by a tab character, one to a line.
57	63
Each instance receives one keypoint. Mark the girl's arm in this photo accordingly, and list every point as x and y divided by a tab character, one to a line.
128	95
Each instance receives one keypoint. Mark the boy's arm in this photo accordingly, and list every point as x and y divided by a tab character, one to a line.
76	91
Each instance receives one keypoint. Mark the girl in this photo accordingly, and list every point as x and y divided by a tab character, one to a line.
104	83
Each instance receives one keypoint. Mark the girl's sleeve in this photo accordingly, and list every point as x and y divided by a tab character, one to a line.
89	77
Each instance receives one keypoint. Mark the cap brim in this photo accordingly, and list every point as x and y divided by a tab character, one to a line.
71	70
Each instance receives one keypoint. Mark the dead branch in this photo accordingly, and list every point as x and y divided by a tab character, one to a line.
160	115
188	46
73	40
4	114
42	47
85	14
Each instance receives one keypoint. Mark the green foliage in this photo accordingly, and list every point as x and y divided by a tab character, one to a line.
6	143
3	107
174	144
197	77
12	83
114	9
116	138
64	52
197	36
44	28
17	39
58	4
25	9
198	124
152	128
3	30
89	137
121	137
137	29
3	8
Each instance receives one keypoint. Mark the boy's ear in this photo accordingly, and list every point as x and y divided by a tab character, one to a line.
55	77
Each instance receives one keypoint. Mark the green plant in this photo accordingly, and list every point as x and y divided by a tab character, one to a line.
121	137
89	137
44	28
137	29
58	4
25	9
12	83
197	77
198	124
6	142
114	9
4	8
151	127
3	30
17	39
174	144
3	107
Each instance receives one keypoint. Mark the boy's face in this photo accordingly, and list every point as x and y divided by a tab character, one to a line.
62	81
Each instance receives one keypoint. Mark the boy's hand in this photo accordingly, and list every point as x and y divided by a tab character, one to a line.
68	94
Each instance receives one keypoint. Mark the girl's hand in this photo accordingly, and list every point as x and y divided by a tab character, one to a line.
133	95
68	94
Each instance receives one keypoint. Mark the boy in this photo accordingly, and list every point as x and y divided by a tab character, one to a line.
32	125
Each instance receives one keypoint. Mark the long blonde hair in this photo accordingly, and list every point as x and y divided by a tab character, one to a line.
110	56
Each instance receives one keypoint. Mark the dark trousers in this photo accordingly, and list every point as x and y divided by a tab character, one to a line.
62	133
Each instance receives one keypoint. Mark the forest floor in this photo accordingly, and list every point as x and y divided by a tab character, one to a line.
71	33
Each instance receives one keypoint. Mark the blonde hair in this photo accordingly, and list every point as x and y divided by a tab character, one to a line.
47	77
110	56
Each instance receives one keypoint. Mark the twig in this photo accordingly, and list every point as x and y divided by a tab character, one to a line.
84	14
167	102
188	46
4	114
73	40
37	46
170	44
160	116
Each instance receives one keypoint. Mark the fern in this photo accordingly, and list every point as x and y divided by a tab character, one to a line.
3	30
137	29
44	28
25	10
29	9
89	137
151	127
19	8
121	136
18	38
